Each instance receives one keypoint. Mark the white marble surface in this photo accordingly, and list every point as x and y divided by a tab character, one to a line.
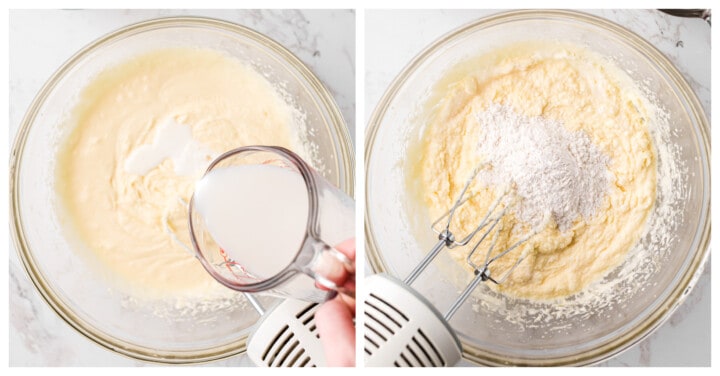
40	41
684	340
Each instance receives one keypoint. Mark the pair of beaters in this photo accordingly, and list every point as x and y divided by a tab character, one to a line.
401	327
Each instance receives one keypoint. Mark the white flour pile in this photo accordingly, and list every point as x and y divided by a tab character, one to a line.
554	171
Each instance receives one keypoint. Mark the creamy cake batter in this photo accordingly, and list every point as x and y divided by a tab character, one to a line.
582	92
143	134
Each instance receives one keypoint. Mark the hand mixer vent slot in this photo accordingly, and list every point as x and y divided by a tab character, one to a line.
307	317
421	352
305	312
428	350
383	320
289	346
402	330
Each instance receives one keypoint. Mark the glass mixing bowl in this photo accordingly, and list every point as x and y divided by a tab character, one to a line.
495	329
64	278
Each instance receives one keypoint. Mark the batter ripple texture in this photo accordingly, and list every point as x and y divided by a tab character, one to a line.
118	205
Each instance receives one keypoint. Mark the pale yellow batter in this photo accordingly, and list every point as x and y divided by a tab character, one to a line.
561	82
121	216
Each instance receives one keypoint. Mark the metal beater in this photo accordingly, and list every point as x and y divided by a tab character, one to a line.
402	327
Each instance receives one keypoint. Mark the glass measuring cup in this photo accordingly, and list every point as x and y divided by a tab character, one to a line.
247	192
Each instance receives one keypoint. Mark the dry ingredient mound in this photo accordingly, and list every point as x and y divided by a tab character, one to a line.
554	171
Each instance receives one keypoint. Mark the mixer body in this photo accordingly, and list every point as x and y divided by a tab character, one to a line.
287	336
402	328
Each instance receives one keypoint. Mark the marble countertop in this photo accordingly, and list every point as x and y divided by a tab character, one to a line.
40	41
684	340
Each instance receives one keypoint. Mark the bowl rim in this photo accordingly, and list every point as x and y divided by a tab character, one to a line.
702	235
341	137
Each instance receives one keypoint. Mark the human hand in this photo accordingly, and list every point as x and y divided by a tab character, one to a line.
334	318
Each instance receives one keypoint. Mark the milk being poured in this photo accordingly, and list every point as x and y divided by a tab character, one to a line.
257	213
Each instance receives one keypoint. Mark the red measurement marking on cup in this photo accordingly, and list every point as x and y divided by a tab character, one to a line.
230	264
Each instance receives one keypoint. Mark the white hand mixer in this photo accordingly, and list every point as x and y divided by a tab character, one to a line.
402	328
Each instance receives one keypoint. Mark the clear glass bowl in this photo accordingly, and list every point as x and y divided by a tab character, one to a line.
63	277
398	230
